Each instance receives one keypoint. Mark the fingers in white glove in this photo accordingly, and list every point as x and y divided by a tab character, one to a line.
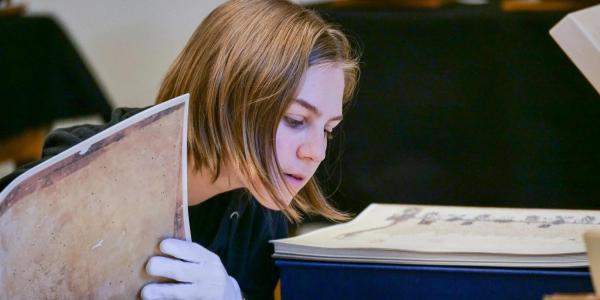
201	271
174	269
186	251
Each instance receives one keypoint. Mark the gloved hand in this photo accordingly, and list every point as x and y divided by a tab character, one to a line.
200	273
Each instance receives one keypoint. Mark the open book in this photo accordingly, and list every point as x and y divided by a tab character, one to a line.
83	224
447	235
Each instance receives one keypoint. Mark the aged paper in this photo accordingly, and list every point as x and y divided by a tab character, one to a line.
83	224
452	235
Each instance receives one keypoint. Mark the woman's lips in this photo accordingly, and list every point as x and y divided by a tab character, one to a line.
296	180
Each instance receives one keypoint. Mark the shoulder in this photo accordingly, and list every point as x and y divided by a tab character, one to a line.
62	139
81	132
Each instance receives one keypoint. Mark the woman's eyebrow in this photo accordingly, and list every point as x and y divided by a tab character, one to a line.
314	109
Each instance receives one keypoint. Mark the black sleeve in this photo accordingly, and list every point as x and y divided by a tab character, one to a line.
55	143
62	139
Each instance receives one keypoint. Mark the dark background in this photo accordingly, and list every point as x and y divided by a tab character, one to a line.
464	106
42	77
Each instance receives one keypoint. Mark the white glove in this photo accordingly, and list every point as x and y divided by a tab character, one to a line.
200	273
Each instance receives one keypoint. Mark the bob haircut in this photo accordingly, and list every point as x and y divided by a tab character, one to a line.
243	67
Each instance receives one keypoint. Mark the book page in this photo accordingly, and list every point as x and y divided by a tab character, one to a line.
447	229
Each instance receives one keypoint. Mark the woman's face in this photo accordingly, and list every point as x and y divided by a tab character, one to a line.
303	132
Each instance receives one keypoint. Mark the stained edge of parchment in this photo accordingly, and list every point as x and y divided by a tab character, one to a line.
187	233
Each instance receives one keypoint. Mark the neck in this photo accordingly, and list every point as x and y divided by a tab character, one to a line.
201	186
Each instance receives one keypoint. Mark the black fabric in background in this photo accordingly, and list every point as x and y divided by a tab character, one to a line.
466	106
42	77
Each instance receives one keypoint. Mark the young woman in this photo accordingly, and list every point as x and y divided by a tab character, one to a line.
268	81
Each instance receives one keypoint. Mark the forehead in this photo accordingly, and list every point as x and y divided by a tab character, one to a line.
323	87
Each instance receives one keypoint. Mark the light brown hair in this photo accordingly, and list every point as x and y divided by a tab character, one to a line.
242	67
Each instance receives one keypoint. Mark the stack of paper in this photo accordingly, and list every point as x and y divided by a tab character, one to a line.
446	235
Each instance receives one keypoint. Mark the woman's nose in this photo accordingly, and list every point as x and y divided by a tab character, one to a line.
313	148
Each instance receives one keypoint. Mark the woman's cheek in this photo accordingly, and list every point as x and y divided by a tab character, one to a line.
286	140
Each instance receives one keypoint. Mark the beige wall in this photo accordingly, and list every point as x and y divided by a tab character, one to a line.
129	44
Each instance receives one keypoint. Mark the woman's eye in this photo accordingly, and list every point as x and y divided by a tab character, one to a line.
293	123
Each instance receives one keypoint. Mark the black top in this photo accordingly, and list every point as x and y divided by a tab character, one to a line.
233	225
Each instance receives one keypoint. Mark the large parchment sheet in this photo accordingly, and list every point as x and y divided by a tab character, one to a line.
451	235
83	224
